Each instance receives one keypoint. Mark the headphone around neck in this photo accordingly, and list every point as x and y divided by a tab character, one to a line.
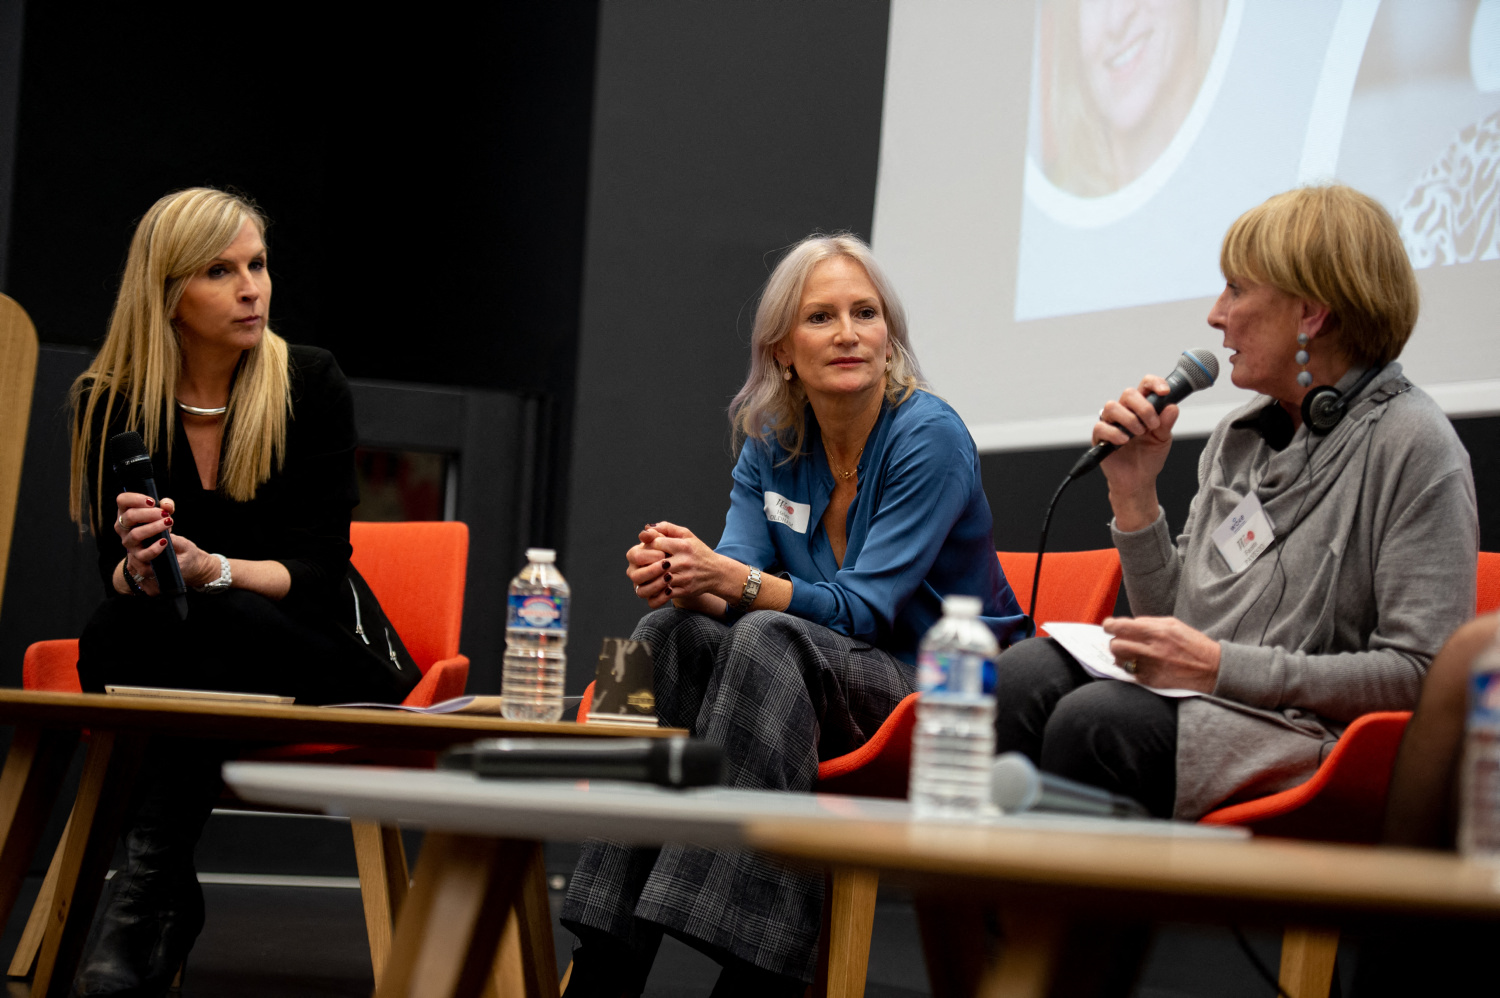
1324	407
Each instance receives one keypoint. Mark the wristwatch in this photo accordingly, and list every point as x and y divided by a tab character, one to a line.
222	582
751	590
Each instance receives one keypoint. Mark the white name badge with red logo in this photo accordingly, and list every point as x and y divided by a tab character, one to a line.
780	509
1244	534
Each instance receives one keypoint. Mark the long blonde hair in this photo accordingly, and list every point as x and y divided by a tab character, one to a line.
141	359
767	405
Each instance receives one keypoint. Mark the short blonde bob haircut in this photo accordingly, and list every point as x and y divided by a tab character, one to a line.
138	366
768	406
1332	245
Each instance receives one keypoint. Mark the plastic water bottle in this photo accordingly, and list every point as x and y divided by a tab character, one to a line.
536	632
1479	808
954	743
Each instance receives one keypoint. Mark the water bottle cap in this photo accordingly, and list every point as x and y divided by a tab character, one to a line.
962	606
544	555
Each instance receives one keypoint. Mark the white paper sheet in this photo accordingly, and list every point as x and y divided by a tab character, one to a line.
1090	646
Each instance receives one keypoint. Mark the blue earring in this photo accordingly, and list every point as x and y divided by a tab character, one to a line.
1304	377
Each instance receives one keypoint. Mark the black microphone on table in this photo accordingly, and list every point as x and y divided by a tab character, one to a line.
1195	371
670	762
1017	785
132	466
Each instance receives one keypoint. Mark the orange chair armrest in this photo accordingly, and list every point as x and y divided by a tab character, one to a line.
444	680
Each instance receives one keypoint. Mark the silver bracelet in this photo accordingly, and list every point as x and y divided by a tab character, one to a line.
751	590
222	582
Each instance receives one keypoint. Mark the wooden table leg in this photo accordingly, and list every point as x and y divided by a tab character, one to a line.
383	880
449	928
108	775
848	919
526	963
34	767
30	945
1307	960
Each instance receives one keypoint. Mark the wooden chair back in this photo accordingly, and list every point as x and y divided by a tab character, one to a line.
18	353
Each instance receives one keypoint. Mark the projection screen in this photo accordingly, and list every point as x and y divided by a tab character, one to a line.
1055	179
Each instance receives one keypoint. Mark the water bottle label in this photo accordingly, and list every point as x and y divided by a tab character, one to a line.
1484	700
942	671
548	613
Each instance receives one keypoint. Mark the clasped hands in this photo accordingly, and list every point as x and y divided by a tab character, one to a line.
1164	652
671	564
140	522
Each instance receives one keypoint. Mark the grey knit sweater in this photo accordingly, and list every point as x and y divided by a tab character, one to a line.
1373	568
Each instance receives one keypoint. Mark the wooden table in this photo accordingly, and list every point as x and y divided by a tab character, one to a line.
1045	884
48	728
482	830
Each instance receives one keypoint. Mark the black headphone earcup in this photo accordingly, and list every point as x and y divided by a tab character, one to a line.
1322	408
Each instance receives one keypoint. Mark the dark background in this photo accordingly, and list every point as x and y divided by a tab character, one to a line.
564	210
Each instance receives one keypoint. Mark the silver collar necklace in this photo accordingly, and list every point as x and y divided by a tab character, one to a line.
193	410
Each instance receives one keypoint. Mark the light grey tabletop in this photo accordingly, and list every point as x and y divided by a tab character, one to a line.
627	812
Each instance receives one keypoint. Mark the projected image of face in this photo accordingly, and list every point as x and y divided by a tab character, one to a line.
839	344
1133	51
1125	74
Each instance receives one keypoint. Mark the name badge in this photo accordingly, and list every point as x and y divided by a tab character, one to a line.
1244	534
780	509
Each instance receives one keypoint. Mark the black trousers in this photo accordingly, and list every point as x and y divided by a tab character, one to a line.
236	641
1104	733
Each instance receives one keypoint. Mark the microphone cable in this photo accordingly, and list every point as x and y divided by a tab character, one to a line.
1041	549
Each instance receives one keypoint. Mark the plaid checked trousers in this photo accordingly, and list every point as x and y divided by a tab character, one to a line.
778	693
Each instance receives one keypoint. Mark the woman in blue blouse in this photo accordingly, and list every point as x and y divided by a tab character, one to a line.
856	507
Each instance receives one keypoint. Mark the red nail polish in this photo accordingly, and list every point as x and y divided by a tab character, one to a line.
162	542
167	520
666	566
669	590
668	580
150	501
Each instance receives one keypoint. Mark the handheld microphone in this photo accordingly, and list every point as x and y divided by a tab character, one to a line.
668	762
132	466
1195	371
1017	785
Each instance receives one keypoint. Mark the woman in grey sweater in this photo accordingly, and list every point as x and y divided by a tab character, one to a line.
1329	552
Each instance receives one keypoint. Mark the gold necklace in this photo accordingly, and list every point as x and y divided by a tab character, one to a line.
846	475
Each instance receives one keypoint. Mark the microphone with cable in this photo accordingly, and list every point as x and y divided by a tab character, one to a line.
1017	785
132	466
1195	371
669	762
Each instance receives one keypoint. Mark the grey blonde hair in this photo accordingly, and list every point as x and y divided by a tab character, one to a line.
141	359
1335	246
768	406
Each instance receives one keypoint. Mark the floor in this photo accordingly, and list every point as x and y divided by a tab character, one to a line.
308	940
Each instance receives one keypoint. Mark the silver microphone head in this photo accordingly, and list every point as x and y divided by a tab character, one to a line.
1200	368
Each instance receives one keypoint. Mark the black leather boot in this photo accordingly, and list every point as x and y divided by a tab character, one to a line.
155	907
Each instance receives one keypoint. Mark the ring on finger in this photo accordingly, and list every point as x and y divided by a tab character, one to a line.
1129	665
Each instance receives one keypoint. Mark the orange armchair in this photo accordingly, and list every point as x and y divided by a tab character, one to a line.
417	570
1344	801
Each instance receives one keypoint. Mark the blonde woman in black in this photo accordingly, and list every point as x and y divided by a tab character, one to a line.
252	445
